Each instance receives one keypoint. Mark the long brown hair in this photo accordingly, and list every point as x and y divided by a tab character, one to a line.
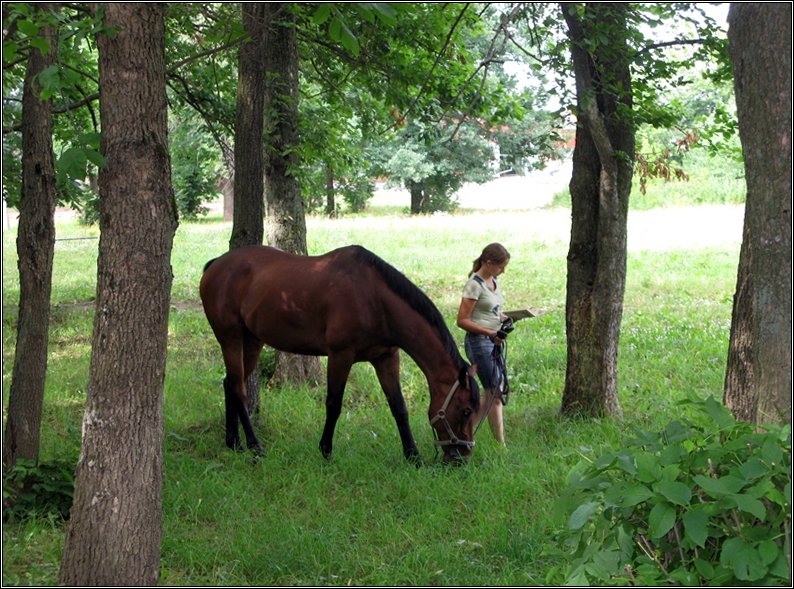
493	252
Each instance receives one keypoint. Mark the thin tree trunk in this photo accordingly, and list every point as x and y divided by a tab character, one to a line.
760	44
35	251
417	197
286	217
600	188
740	394
115	530
249	191
248	211
330	193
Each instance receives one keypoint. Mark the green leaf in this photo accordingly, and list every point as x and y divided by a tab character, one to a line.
580	516
625	542
720	487
696	526
72	163
743	559
768	550
577	578
636	494
771	451
322	13
753	469
661	519
10	50
750	505
95	157
704	568
349	40
41	44
625	461
28	27
648	468
674	492
335	29
386	13
719	413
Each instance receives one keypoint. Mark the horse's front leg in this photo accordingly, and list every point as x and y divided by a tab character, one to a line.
387	367
338	370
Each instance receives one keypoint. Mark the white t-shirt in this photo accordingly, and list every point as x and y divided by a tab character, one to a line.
487	311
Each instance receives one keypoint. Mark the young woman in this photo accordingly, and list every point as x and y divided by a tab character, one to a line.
480	315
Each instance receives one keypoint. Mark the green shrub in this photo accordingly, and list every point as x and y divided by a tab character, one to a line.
707	501
45	489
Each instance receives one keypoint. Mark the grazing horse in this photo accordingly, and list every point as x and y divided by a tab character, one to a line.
350	306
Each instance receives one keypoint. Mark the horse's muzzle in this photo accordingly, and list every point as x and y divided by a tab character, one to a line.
457	455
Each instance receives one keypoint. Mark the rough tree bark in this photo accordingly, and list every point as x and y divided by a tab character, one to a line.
35	250
600	187
115	530
249	176
758	380
286	217
248	210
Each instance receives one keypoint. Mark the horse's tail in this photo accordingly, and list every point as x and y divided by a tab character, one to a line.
208	264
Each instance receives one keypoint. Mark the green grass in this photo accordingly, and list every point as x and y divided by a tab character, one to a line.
367	517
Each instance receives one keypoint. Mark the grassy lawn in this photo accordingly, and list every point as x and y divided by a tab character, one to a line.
367	517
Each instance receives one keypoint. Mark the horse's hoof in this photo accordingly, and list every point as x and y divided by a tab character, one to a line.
415	459
257	450
326	452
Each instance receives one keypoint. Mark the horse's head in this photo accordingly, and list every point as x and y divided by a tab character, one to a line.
452	417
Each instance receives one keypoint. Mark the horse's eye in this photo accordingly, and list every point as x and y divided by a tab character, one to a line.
467	413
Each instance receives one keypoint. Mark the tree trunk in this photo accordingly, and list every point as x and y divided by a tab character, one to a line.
115	531
330	193
417	197
249	191
740	394
248	211
227	189
760	45
600	187
35	250
286	217
227	181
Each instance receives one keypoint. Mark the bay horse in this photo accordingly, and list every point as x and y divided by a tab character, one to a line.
348	305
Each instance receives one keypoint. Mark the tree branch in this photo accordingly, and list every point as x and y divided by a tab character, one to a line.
585	89
172	70
653	46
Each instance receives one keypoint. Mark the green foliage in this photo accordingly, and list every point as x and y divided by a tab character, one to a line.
195	167
38	490
706	501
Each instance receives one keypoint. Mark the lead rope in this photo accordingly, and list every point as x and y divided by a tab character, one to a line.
500	365
499	355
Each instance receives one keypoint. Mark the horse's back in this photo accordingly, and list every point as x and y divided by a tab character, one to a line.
284	299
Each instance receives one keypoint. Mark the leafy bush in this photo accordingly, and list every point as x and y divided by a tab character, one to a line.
38	490
707	501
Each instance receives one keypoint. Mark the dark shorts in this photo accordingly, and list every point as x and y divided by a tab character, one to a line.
479	350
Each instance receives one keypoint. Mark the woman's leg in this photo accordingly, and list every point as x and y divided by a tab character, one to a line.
495	419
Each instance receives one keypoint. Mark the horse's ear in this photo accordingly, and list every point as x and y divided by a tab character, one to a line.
466	374
463	377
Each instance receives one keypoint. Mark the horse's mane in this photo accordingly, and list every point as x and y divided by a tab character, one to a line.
416	299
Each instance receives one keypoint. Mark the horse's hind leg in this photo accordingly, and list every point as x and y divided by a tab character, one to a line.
252	347
232	427
387	367
236	396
